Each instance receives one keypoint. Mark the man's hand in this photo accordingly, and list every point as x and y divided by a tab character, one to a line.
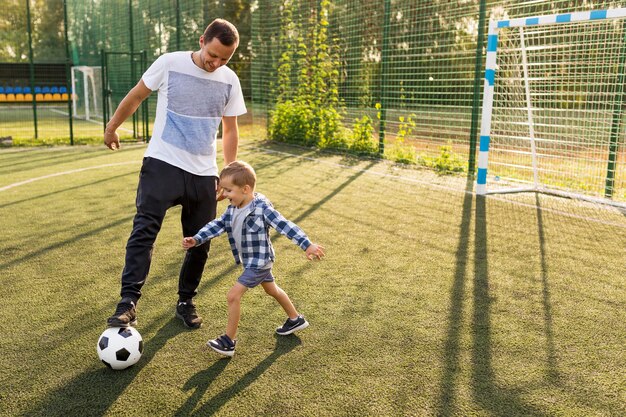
111	140
314	251
189	242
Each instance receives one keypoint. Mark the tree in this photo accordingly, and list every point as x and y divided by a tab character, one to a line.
46	30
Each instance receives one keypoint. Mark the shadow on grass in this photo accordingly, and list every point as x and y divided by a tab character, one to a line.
452	350
333	193
203	379
31	255
486	392
47	160
57	192
552	370
95	390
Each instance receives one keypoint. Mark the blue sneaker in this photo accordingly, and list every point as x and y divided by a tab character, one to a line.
223	345
291	326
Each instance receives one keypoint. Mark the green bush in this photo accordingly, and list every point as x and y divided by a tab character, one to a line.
290	122
299	122
362	140
400	153
309	115
445	163
331	134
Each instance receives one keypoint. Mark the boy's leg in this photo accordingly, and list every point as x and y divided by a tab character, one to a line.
234	308
225	344
199	208
295	321
281	296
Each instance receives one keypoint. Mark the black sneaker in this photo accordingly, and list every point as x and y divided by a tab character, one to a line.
186	311
291	326
223	345
125	314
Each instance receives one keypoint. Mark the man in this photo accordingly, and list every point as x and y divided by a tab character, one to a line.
196	91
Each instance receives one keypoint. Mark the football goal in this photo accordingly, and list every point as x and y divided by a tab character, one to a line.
87	92
553	107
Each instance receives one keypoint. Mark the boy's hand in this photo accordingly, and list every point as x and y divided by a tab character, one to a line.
314	251
219	193
189	242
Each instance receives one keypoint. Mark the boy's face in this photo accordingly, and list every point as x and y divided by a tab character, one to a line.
238	196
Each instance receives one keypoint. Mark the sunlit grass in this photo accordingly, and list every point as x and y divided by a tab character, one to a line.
429	302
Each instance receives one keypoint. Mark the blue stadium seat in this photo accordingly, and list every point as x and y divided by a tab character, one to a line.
37	90
18	90
1	90
9	90
62	90
26	90
54	90
45	90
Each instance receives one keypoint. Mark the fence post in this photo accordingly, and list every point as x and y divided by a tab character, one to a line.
146	126
31	66
383	73
131	42
68	66
617	121
480	41
178	25
105	90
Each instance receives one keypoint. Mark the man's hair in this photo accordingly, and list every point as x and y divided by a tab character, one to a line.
223	30
240	173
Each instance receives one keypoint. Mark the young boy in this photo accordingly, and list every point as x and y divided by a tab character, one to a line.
246	221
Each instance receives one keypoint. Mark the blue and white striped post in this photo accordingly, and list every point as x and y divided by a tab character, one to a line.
491	66
485	125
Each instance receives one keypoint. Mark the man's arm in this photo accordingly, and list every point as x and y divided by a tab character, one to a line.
127	107
230	138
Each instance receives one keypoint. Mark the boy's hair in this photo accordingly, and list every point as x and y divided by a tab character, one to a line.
240	173
223	30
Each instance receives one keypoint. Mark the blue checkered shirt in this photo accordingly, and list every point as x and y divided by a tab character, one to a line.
256	247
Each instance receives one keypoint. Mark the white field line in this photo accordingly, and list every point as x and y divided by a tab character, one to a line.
447	188
58	174
334	164
90	121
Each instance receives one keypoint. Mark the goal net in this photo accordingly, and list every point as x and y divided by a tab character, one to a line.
87	92
553	106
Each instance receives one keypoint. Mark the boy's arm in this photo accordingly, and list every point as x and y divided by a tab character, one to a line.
286	228
212	229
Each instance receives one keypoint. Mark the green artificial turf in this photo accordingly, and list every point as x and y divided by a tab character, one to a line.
430	301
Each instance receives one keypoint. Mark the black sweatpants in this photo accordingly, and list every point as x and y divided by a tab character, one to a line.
162	186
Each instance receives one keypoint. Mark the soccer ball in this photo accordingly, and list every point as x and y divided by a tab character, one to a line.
120	347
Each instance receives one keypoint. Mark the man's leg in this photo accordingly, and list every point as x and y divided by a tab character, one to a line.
160	187
199	208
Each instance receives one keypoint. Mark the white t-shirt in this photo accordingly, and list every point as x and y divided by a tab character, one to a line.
190	106
239	215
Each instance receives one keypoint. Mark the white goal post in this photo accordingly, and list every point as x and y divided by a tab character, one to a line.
87	92
553	119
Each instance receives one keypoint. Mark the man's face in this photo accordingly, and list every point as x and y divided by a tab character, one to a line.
214	54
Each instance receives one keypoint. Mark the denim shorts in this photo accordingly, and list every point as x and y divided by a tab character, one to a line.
252	277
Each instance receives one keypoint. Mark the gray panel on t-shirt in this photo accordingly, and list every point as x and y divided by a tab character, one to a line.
196	97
